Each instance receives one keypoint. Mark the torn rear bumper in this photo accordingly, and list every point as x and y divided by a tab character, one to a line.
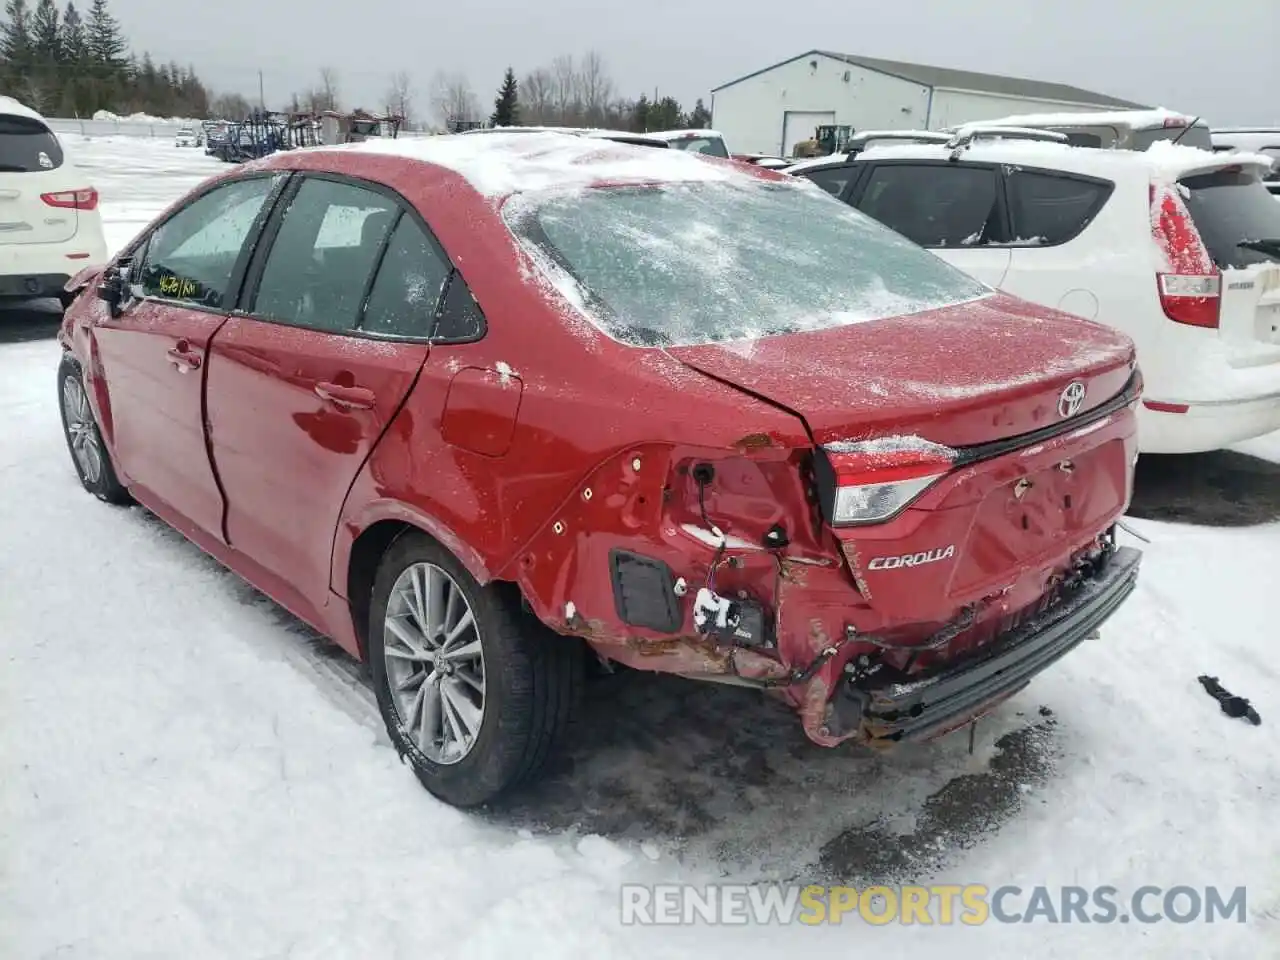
929	705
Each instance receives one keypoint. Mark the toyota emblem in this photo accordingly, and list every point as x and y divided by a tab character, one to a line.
1072	400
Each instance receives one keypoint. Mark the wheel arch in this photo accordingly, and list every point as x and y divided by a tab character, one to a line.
356	563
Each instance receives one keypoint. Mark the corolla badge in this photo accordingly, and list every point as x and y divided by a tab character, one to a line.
913	559
1072	400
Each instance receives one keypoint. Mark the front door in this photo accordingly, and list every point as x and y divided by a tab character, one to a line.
302	389
155	353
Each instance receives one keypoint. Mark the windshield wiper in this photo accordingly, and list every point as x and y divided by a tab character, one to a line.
1267	245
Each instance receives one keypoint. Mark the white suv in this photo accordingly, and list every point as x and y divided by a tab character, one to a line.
50	225
1177	247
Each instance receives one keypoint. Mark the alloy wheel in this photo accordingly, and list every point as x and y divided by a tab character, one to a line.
434	663
82	432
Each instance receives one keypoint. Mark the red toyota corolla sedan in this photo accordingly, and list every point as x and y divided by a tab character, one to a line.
474	405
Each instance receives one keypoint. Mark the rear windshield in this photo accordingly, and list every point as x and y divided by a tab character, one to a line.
1230	208
1197	136
681	264
27	146
713	146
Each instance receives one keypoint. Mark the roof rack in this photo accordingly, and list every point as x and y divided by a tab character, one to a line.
861	140
967	134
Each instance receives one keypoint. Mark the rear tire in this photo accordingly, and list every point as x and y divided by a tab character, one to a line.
475	694
84	440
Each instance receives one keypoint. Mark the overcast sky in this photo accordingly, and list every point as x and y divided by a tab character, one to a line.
1218	59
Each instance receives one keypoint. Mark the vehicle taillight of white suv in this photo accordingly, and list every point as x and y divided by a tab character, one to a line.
50	225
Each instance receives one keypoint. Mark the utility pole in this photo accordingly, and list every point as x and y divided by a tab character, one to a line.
262	100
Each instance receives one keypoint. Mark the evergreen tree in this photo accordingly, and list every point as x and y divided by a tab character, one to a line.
640	115
699	117
665	114
46	40
75	49
107	47
506	106
15	36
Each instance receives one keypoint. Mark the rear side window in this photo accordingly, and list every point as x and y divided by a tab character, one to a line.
403	300
27	146
1235	216
833	179
460	316
1049	209
935	205
324	254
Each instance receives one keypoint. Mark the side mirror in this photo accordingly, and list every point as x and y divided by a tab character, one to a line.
113	287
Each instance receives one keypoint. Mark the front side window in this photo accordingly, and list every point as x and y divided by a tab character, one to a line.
708	262
1049	209
935	205
324	254
192	256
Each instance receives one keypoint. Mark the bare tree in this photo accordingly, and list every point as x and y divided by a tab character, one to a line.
535	97
399	94
564	89
452	98
325	97
595	87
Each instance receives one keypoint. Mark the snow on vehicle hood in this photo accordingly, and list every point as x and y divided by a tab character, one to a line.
962	375
499	164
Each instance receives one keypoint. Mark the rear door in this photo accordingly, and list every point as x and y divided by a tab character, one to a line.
33	175
185	278
954	209
1239	224
1049	212
305	380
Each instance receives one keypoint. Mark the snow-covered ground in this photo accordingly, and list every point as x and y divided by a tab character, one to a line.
184	774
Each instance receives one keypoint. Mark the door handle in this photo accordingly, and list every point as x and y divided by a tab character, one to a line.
183	357
360	398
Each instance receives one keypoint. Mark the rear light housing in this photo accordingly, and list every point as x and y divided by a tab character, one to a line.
1190	286
1171	123
873	481
86	199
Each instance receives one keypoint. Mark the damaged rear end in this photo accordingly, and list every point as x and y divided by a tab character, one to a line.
893	522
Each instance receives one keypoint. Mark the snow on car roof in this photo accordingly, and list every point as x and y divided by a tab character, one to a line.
16	108
1137	119
505	163
1163	160
678	134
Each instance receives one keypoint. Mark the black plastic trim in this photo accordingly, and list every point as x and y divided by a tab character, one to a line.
923	706
644	591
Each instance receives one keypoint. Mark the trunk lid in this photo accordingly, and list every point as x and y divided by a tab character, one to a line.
973	373
31	162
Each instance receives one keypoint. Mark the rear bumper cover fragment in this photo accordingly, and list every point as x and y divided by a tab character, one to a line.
926	706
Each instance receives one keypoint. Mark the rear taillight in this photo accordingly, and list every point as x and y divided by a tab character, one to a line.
86	199
1191	299
874	481
1191	287
1171	123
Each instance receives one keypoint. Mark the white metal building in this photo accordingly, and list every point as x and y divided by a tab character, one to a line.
771	110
